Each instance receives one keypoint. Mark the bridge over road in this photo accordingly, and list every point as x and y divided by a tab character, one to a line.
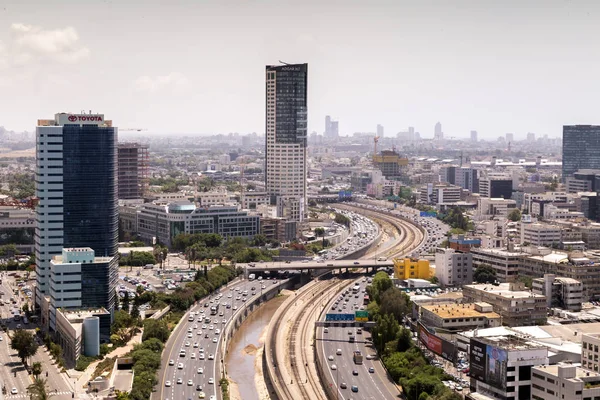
372	264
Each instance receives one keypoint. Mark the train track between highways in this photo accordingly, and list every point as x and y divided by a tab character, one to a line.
289	349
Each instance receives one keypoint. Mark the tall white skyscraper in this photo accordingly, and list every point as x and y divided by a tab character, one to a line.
380	131
437	132
286	134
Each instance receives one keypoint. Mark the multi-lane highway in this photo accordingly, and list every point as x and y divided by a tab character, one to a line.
190	362
336	346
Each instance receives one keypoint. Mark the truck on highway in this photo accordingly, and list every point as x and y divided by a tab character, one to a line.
358	357
251	277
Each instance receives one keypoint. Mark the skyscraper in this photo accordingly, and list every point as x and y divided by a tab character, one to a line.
581	148
133	170
380	131
331	128
437	132
286	125
473	136
76	184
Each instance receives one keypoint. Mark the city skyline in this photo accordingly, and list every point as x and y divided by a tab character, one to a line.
493	68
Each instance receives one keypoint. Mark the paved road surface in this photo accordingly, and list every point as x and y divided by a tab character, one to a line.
202	344
371	385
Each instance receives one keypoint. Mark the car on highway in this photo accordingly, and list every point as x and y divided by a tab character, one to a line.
179	381
168	383
333	367
354	372
171	362
211	381
371	369
343	385
211	356
202	395
180	366
330	358
355	388
200	370
190	382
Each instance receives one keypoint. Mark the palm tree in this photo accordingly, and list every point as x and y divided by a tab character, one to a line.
37	390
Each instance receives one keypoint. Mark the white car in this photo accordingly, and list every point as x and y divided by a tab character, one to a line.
223	322
217	331
189	335
211	381
167	384
171	362
190	383
187	344
200	370
193	356
180	366
179	381
333	367
211	327
211	356
339	352
195	345
330	358
214	340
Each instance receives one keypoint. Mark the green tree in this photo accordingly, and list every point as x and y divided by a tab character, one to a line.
484	274
155	329
404	340
38	389
526	280
36	368
515	215
386	330
395	302
125	302
381	283
320	232
135	311
25	345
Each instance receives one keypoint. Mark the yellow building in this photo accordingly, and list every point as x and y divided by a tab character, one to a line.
410	268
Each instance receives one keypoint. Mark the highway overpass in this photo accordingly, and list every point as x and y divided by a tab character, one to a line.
315	265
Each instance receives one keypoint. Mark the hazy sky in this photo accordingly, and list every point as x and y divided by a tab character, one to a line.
197	66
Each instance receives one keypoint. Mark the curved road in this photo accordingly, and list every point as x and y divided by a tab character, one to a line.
200	339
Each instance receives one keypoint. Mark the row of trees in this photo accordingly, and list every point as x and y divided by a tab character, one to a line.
405	362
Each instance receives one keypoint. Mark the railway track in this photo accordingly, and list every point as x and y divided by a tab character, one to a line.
305	384
297	385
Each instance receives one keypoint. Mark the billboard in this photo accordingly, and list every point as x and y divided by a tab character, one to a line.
477	357
436	344
488	364
339	317
428	214
430	341
361	316
495	370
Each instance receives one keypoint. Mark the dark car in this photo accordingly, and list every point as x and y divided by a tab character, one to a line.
355	372
199	388
343	385
205	304
355	389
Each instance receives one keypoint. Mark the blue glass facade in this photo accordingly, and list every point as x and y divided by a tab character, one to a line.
90	188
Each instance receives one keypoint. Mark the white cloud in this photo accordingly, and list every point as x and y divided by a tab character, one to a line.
174	80
60	45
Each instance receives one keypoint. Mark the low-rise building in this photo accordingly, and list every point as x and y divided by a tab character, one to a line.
498	207
540	234
453	268
439	194
505	262
455	317
161	221
501	366
517	306
79	332
564	381
560	292
590	351
207	199
410	268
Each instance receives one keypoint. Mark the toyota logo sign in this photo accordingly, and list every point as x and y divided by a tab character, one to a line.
72	118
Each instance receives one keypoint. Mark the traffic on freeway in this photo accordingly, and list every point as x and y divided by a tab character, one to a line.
190	361
352	375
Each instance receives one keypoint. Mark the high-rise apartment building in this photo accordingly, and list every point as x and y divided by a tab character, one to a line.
437	132
133	170
286	124
76	184
581	148
473	136
331	128
380	131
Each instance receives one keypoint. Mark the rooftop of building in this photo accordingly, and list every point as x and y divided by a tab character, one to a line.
498	252
504	290
464	310
77	316
579	372
511	342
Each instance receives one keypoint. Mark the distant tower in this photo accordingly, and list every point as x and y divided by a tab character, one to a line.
510	137
380	131
437	132
473	136
327	126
